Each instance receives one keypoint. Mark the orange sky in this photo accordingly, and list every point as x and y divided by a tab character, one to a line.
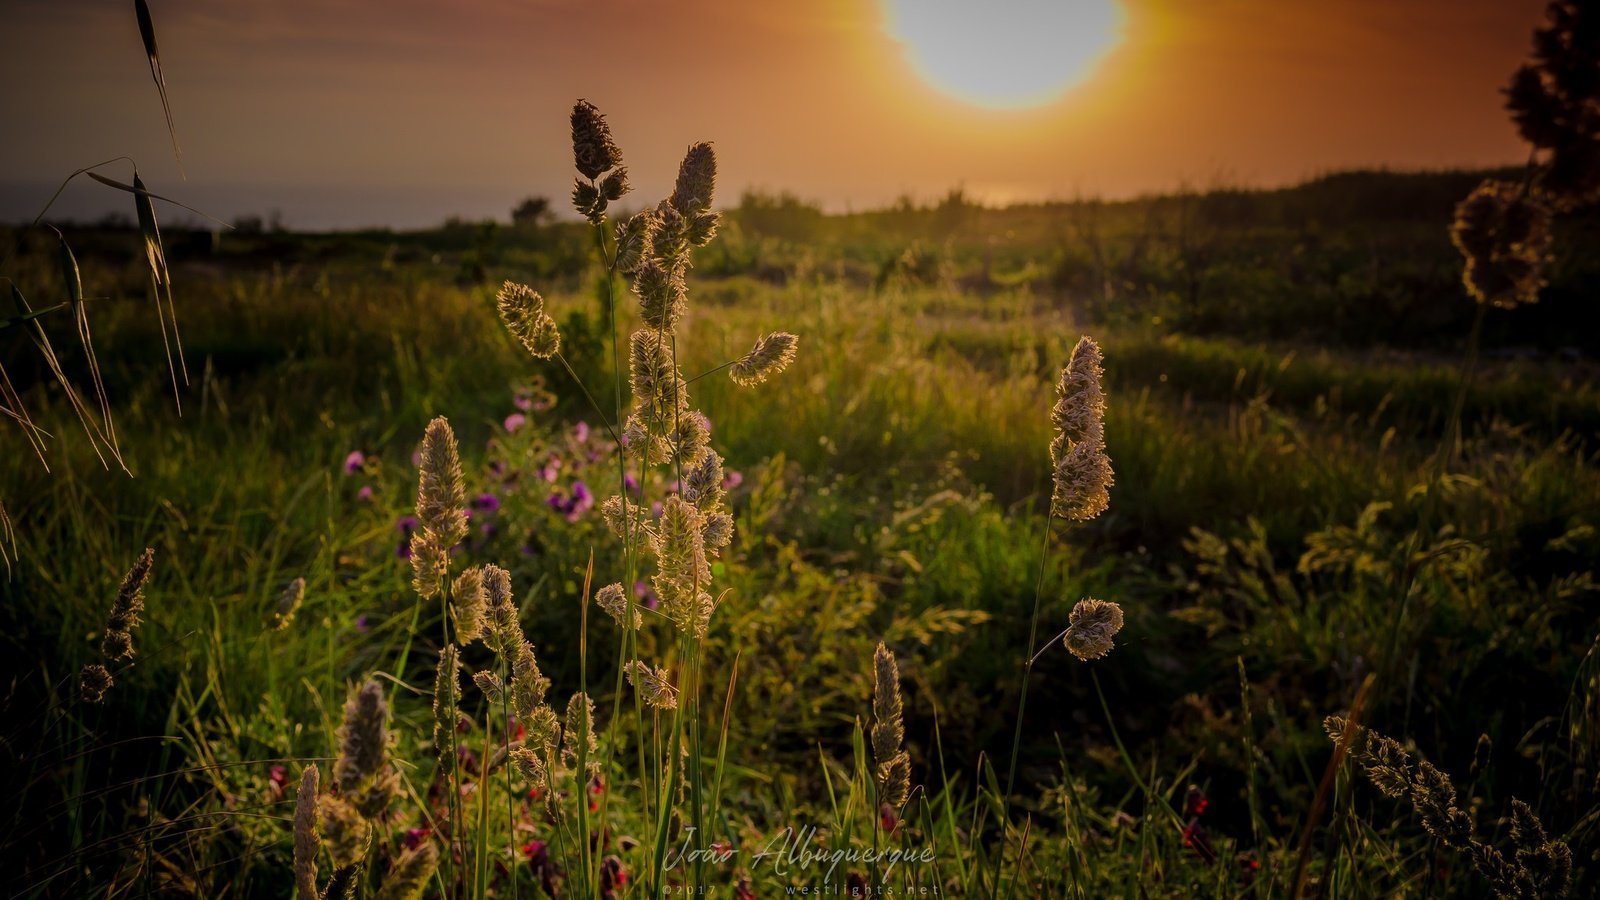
410	110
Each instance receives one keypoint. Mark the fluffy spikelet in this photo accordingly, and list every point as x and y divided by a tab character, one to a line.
617	512
288	604
522	310
702	484
690	438
888	730
661	293
467	596
410	873
446	700
532	767
1082	470
639	444
634	240
653	685
702	227
580	746
430	563
614	600
717	531
659	392
614	185
770	355
1093	623
669	241
681	568
344	832
441	491
362	771
93	682
697	179
503	630
126	608
1505	236
528	684
593	150
490	684
307	840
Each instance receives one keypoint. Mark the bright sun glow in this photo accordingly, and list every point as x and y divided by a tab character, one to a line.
1005	54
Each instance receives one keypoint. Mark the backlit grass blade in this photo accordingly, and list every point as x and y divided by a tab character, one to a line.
161	282
41	340
73	279
147	33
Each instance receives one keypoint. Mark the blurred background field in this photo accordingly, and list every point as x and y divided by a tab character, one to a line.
1280	365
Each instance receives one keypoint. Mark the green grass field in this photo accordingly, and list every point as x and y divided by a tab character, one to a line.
1286	538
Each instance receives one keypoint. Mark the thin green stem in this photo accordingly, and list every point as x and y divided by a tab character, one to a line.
1022	701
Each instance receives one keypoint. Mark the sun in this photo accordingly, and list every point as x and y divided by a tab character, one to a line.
1005	54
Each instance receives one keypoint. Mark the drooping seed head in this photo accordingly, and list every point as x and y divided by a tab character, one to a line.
490	684
1082	480
653	685
1093	625
593	149
614	601
93	682
522	310
307	839
532	767
770	355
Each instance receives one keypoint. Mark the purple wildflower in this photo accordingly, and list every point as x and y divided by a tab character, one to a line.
552	469
630	482
486	503
515	421
646	595
581	432
354	462
362	625
365	494
733	480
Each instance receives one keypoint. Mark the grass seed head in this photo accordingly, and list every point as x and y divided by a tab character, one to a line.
93	682
614	601
662	292
441	490
307	840
770	355
888	730
467	603
697	180
578	738
593	149
362	771
446	700
1093	623
653	685
1083	476
490	684
1504	234
522	310
126	609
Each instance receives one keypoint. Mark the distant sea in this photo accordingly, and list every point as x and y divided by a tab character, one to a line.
298	207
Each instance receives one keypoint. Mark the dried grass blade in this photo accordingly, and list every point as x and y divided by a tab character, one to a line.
72	277
161	282
90	427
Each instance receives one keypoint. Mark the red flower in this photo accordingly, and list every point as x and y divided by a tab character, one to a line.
1195	802
414	837
887	818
